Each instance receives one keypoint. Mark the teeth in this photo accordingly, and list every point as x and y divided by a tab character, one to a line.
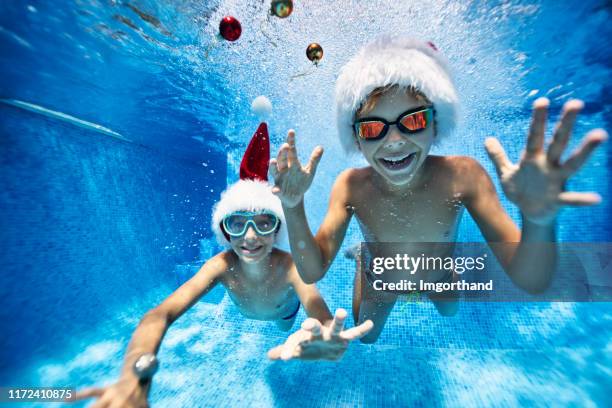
396	159
250	249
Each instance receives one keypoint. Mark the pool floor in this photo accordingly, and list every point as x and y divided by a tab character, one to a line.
214	357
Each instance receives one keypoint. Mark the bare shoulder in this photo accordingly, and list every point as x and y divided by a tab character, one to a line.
355	176
352	182
347	178
469	176
460	167
281	258
456	164
284	262
219	264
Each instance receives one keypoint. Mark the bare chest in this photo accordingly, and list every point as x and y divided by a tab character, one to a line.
425	217
263	299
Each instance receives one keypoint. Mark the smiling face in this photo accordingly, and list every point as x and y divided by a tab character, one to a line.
397	156
252	247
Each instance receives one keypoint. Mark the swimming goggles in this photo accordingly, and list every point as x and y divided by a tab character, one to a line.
237	223
411	121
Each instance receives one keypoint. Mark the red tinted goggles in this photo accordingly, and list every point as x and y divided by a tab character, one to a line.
411	121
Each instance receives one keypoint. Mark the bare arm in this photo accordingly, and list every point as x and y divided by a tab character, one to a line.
128	391
314	255
153	326
321	337
536	184
310	297
529	266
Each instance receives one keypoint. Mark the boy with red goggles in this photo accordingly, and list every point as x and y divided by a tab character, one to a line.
394	99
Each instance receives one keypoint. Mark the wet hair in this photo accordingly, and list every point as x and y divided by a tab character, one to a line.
373	97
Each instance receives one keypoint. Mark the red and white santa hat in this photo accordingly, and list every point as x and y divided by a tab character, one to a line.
252	192
402	61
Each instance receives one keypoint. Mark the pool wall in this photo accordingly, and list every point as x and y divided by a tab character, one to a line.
88	223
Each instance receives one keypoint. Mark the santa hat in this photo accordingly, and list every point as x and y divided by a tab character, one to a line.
252	192
398	61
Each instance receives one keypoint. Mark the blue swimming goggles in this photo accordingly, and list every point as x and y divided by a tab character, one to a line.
237	223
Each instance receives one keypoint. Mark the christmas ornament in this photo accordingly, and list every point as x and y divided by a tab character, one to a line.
314	52
281	8
230	28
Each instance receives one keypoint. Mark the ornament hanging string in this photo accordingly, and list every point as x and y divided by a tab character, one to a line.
210	46
310	71
280	9
314	52
261	28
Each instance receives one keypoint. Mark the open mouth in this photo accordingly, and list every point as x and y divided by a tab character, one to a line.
397	163
250	251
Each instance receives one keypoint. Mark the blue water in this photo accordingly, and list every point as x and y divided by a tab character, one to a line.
95	230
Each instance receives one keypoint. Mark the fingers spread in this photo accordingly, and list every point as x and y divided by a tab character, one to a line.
358	331
315	158
282	157
578	199
119	403
102	403
291	346
313	326
286	351
275	353
291	137
593	139
292	158
497	155
563	130
291	152
338	323
535	140
272	168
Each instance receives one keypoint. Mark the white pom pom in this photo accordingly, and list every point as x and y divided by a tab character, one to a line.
262	107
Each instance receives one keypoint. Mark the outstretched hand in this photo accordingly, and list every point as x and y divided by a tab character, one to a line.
315	341
537	183
291	180
125	393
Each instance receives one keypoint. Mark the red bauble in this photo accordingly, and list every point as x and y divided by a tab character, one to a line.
230	28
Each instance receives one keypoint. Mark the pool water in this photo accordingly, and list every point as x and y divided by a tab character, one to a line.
105	201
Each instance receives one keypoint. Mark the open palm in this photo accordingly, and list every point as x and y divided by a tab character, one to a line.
537	183
291	180
315	341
